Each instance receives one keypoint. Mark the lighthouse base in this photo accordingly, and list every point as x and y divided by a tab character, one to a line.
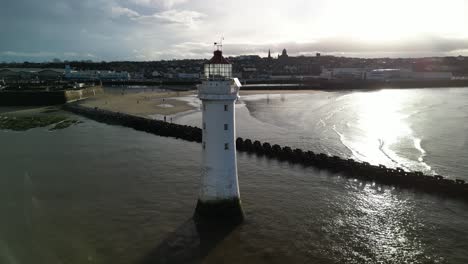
228	211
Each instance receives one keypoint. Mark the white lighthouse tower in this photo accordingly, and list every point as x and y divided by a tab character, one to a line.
219	193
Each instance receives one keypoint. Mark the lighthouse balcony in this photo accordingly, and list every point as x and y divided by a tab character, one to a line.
219	90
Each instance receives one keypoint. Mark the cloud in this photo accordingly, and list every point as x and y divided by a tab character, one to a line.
183	17
158	3
39	54
118	11
45	55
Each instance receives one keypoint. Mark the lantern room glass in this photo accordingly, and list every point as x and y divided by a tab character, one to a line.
218	71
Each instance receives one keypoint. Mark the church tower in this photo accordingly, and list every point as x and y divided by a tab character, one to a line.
284	54
219	192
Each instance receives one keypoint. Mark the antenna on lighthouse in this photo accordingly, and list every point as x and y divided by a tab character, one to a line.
219	45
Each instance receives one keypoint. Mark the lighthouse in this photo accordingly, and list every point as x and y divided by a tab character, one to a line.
219	198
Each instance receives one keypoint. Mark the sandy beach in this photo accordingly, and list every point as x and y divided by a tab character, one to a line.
142	103
157	103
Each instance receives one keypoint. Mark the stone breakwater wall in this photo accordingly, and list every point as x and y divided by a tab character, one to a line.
346	167
359	170
156	127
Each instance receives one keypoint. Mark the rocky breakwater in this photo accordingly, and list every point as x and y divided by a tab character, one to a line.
156	127
346	167
359	170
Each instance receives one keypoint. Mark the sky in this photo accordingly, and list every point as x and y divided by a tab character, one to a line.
142	30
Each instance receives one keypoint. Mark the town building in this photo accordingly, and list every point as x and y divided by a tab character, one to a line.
344	73
30	74
393	74
284	54
95	75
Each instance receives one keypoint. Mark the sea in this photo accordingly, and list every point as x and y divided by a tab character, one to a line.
97	193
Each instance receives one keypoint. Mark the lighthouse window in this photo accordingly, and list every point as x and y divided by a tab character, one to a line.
226	145
225	107
204	125
225	126
203	145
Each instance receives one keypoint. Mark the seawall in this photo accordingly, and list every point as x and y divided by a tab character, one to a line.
346	167
40	98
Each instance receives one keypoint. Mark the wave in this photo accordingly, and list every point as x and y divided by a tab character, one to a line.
356	154
386	154
417	145
321	122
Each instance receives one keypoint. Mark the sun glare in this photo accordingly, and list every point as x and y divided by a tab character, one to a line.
382	21
380	115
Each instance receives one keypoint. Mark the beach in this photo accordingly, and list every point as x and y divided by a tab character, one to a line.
142	103
159	103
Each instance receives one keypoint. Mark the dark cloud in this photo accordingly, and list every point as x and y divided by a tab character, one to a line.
103	29
54	27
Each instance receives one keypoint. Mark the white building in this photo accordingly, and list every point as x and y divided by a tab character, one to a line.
389	74
344	73
383	74
113	75
95	75
188	75
219	193
156	74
